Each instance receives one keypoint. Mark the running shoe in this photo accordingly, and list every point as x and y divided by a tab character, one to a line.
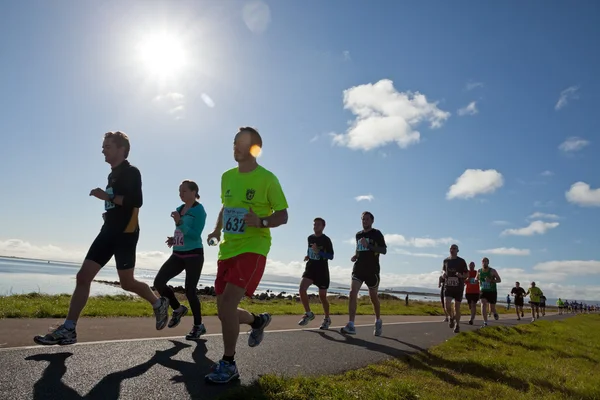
222	372
162	314
256	335
177	315
326	323
378	328
349	329
60	335
306	318
196	332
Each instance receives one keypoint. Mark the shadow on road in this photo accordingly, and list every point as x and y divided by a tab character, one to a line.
51	386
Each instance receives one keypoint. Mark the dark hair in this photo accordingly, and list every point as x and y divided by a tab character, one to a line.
319	219
254	135
486	259
369	214
193	186
120	139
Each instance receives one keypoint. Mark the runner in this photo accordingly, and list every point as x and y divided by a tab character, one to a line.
534	293
442	288
508	301
560	304
488	278
519	294
118	237
320	250
188	256
253	203
543	305
472	291
370	243
455	272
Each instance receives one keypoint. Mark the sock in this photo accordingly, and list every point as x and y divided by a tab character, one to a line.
157	303
229	359
179	309
258	321
351	323
69	324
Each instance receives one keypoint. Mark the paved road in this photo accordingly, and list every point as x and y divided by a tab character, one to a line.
173	368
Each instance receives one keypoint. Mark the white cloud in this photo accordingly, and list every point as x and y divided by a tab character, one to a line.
384	115
581	194
314	139
571	267
207	100
536	227
394	239
470	109
474	182
567	95
504	251
368	197
500	222
257	16
412	254
539	215
547	173
473	85
346	55
573	143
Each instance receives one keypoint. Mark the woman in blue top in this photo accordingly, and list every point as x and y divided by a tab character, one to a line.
188	255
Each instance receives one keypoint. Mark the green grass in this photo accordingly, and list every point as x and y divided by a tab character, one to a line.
543	360
37	305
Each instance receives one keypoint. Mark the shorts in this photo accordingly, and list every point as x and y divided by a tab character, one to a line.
370	279
455	293
472	298
534	303
542	304
519	301
120	245
244	270
491	297
319	276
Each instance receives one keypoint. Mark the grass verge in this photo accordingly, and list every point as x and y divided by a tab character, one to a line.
37	305
549	360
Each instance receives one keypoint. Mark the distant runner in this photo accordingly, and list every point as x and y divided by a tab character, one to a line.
253	203
118	237
370	243
535	294
442	287
488	278
472	291
543	305
455	272
561	305
188	256
519	294
508	301
320	250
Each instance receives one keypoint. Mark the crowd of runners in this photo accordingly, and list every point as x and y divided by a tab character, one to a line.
253	203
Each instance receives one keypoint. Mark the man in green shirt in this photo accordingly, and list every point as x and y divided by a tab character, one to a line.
535	294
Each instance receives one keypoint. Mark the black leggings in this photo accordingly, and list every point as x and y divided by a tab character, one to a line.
192	264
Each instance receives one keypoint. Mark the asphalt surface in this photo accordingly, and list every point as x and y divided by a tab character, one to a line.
174	368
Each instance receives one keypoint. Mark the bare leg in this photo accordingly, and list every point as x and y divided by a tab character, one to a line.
484	310
324	301
129	283
352	304
304	285
84	278
375	301
231	316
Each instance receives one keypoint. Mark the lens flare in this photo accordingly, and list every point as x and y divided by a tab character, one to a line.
255	150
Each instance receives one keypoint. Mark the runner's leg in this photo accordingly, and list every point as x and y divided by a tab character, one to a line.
352	303
193	270
484	310
373	294
83	282
169	270
304	285
324	301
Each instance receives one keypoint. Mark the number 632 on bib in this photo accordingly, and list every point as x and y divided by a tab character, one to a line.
233	220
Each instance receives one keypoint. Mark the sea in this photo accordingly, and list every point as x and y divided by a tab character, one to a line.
20	276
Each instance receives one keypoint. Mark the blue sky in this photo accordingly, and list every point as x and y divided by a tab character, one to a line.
509	91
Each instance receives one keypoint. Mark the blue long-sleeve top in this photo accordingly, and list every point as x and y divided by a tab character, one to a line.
190	228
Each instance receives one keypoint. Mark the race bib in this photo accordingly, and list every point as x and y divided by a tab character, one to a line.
360	247
452	281
233	220
109	205
486	285
312	255
178	238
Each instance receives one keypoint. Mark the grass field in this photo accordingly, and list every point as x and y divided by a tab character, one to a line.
36	305
543	360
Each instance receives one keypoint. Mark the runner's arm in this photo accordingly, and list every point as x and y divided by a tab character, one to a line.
194	224
132	198
276	219
329	253
278	204
381	248
496	276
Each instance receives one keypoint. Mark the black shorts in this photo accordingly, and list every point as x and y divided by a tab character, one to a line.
534	303
456	293
491	297
542	304
319	276
369	279
472	297
121	245
519	301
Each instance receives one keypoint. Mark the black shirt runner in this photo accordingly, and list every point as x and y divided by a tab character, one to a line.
317	266
366	268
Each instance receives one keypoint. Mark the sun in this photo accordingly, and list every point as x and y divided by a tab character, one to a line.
162	54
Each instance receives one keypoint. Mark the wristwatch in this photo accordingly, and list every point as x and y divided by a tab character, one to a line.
264	222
